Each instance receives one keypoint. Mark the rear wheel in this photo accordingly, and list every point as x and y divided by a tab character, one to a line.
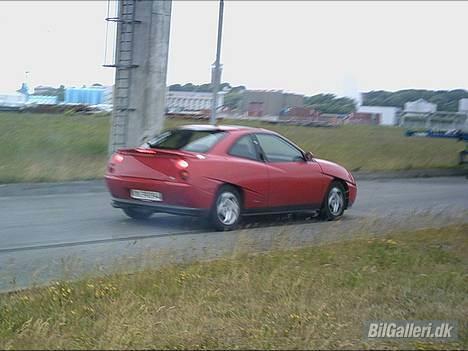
226	211
137	213
334	203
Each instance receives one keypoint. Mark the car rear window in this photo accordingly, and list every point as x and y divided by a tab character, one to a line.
187	140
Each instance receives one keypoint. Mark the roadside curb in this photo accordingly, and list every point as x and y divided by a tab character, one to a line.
98	186
72	187
412	173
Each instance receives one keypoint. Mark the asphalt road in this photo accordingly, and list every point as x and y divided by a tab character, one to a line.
65	235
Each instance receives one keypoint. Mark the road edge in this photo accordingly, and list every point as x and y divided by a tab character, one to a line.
412	173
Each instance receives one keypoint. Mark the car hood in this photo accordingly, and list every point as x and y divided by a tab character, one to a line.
335	170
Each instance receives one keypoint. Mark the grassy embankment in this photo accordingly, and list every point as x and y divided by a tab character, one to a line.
38	147
315	297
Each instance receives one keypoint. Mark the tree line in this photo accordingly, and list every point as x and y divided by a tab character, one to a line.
446	100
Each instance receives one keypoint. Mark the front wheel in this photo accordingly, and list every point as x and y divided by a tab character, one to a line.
334	203
226	211
137	213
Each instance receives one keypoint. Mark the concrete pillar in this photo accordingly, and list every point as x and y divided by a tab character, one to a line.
144	113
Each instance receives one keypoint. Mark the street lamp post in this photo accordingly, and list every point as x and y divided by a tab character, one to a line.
217	66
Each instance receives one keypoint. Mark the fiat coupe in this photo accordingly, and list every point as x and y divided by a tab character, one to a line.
225	173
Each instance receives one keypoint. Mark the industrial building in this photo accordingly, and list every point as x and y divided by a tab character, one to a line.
95	95
463	106
299	113
42	100
331	119
420	106
190	101
12	101
421	114
389	115
259	103
45	90
367	118
435	120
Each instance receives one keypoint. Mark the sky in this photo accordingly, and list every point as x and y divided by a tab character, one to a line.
306	47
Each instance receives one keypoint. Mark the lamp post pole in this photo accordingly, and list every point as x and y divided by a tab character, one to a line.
216	74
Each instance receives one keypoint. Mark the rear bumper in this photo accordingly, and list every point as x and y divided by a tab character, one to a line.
179	198
157	207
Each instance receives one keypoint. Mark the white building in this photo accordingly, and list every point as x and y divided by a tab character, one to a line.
12	100
42	100
421	106
178	101
463	105
389	115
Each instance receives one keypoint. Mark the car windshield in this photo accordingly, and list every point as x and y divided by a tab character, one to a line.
187	140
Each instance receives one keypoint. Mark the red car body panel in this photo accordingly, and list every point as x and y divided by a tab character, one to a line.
339	172
296	184
263	185
335	170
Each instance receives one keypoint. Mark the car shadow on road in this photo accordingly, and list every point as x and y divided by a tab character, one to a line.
172	223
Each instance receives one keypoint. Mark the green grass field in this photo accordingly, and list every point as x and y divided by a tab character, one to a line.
37	147
310	298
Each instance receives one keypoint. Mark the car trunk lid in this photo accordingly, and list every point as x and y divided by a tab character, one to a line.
158	164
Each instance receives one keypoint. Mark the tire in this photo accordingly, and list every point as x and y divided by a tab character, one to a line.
137	213
226	212
334	203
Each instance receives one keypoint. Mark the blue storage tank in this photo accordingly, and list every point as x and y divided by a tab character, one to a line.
85	96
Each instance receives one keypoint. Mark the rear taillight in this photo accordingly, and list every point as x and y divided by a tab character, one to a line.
182	164
117	158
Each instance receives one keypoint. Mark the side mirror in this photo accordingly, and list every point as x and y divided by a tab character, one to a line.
309	156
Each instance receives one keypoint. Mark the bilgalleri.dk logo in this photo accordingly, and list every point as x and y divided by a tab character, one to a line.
417	329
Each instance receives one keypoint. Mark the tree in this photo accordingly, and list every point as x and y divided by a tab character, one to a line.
175	87
204	88
188	87
233	97
446	100
329	103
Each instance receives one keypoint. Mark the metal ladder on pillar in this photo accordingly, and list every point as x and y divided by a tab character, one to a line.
123	64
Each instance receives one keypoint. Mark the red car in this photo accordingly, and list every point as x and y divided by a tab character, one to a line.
225	172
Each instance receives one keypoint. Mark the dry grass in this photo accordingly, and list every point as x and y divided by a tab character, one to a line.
59	147
316	297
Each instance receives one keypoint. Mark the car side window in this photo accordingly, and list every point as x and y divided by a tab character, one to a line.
245	148
278	150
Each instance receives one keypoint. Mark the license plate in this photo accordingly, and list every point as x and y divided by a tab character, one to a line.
146	195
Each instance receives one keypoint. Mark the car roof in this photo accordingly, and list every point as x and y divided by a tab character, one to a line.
209	127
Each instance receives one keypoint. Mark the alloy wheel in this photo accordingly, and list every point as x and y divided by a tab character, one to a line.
335	201
227	208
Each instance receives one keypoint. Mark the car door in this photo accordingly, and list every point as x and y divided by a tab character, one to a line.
249	172
293	181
